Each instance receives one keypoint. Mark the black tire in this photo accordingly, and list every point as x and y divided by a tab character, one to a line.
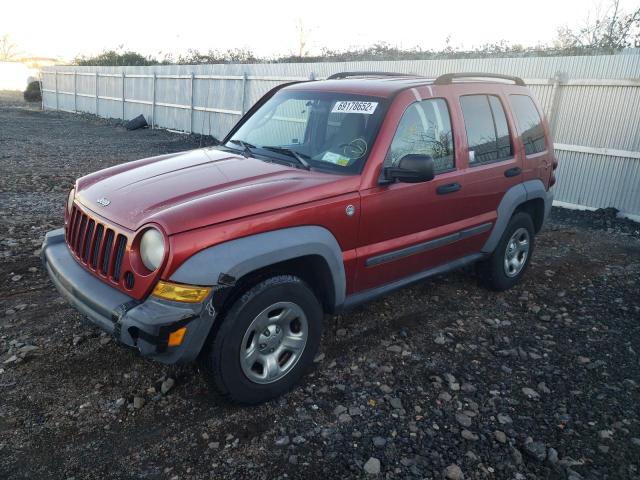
220	358
492	271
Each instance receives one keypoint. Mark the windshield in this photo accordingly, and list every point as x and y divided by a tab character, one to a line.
330	131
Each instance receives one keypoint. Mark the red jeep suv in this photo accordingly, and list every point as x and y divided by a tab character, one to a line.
326	194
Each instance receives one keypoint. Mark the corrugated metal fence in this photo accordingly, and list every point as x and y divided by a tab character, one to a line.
593	105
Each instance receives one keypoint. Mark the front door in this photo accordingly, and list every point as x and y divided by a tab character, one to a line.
406	228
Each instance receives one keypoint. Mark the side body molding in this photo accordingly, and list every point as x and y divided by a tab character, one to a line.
515	196
238	257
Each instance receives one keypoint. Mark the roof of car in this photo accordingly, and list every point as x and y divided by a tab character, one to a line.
381	84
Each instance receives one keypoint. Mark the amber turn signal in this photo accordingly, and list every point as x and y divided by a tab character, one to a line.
180	293
175	338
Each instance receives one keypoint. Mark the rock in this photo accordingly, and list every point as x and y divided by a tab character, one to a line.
298	440
372	466
453	472
214	445
379	441
319	358
469	435
517	456
440	339
121	402
341	332
167	385
605	434
531	393
344	418
76	340
536	450
394	349
542	388
463	419
385	389
583	360
552	455
27	349
293	459
445	396
636	441
16	278
396	403
104	340
138	403
500	436
504	419
339	410
282	441
11	359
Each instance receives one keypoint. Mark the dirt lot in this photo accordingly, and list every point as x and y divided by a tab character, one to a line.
542	381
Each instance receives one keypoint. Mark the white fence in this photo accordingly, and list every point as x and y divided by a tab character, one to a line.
592	104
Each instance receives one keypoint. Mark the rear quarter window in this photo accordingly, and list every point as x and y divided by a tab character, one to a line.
529	124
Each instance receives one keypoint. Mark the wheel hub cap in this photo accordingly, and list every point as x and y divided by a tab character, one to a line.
517	252
274	342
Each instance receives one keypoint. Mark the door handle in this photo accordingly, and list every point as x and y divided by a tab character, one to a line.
448	188
512	172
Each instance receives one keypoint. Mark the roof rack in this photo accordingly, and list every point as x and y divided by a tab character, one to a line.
337	76
449	77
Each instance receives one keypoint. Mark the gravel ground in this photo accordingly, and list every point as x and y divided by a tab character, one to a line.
443	380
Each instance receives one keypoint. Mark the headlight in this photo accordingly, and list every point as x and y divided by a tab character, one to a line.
152	248
72	196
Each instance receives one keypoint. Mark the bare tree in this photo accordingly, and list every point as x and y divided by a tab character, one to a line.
609	30
8	49
303	38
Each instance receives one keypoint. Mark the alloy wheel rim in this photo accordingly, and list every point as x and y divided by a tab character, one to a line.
274	342
517	252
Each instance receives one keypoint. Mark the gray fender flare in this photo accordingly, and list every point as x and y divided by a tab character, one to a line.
238	257
515	196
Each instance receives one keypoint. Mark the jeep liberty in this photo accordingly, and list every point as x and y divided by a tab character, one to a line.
325	195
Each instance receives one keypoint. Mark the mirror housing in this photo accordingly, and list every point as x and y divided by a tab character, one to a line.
412	168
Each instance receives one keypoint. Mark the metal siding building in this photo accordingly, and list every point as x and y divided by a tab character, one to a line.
592	102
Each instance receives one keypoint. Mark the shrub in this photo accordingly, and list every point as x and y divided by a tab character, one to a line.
32	93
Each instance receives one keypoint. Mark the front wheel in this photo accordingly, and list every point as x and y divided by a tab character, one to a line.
508	262
266	340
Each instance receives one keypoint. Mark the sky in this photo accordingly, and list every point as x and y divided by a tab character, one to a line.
67	28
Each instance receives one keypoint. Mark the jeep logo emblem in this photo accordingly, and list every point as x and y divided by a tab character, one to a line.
103	201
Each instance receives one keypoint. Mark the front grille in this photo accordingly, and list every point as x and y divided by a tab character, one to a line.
96	245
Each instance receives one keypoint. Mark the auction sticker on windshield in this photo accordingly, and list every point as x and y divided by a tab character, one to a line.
354	106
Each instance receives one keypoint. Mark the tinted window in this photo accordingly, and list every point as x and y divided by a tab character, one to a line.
529	124
487	131
425	128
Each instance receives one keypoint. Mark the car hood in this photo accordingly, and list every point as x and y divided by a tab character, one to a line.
201	187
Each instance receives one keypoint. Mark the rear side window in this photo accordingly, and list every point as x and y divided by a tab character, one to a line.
529	124
487	130
424	128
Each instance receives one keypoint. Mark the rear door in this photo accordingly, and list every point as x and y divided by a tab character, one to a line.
493	163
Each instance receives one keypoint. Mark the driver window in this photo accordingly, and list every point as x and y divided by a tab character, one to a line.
425	128
288	125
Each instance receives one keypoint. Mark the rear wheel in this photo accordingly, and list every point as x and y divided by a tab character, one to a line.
508	262
266	340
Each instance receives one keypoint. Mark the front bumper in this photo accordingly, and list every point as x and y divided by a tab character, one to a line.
144	325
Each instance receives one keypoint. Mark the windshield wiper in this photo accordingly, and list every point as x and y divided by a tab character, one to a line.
291	153
246	146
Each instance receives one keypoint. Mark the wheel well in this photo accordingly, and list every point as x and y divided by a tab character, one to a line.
313	269
535	209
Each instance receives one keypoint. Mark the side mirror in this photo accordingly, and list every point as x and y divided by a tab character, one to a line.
412	168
